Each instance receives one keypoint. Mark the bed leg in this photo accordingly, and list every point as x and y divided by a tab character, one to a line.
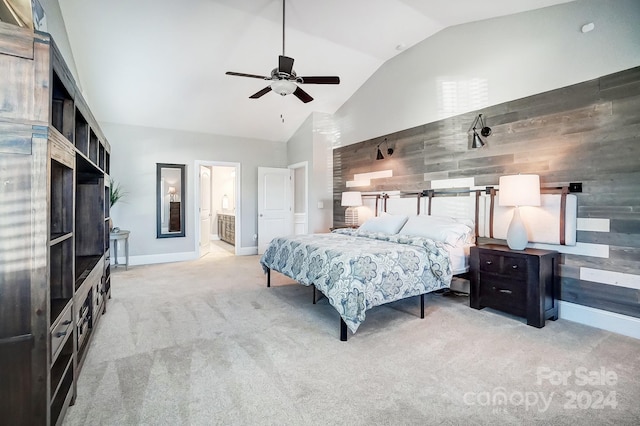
343	330
314	293
422	305
268	277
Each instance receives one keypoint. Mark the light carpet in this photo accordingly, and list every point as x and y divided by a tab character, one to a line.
206	342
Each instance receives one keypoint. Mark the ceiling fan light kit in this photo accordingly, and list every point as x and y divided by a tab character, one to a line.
283	87
284	80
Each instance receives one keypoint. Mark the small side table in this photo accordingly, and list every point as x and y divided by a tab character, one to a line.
115	237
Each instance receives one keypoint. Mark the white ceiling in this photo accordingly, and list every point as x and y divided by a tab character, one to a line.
162	63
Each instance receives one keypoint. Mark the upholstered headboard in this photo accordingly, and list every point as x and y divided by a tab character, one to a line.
455	202
553	222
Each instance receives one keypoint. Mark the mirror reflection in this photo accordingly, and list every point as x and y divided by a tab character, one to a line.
170	197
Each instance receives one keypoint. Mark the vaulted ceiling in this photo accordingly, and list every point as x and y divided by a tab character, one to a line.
162	63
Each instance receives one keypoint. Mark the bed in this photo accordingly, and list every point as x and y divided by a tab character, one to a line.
390	257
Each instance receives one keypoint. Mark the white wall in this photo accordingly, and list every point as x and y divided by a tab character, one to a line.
56	27
135	152
470	66
310	143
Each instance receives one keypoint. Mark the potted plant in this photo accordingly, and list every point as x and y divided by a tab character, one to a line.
116	192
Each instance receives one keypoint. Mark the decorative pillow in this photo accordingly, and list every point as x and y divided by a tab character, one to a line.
386	223
439	228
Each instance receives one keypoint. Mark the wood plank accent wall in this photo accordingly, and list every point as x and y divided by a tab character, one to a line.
588	132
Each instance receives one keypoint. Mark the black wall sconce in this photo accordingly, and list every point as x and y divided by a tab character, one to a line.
484	131
379	156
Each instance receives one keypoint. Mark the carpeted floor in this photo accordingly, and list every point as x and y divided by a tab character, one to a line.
205	342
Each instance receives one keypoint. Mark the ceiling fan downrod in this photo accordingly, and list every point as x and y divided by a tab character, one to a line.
283	15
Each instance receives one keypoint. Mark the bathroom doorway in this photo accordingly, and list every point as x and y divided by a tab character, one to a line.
218	206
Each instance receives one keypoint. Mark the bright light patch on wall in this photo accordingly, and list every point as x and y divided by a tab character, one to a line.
364	179
358	183
373	175
453	183
619	279
457	96
593	224
580	249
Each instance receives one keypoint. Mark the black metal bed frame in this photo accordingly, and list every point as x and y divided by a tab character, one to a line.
383	197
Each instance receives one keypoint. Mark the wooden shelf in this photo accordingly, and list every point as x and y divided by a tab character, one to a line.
57	307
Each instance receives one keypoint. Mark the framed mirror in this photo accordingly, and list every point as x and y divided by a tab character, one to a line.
170	200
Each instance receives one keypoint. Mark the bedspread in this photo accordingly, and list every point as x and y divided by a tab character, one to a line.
357	271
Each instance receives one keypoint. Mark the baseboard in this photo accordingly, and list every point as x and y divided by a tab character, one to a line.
150	259
247	251
610	321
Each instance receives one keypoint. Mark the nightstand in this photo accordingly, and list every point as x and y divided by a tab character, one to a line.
519	282
343	227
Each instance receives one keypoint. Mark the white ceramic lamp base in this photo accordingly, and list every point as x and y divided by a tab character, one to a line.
351	216
517	233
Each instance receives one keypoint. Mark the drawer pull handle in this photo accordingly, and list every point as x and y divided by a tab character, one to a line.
505	291
514	266
489	262
61	333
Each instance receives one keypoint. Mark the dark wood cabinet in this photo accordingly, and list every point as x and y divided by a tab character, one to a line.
227	228
519	282
54	162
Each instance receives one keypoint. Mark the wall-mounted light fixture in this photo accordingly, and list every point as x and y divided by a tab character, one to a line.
484	131
379	156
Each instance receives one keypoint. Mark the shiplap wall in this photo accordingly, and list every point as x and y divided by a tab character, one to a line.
588	132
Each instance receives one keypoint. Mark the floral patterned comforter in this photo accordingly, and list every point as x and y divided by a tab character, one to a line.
357	271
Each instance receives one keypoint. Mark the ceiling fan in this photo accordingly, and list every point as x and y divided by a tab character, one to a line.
284	78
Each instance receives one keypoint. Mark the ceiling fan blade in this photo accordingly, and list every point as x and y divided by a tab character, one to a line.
240	74
260	93
285	64
302	95
319	80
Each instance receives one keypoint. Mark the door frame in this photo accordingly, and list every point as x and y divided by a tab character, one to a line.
238	198
200	217
302	165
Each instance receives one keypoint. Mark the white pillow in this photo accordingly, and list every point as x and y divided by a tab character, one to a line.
386	223
438	228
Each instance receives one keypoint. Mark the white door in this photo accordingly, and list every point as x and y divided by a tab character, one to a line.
205	209
274	205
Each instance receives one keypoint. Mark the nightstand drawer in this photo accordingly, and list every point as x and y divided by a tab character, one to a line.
515	267
503	294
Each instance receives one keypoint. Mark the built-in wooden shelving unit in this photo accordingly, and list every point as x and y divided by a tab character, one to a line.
54	233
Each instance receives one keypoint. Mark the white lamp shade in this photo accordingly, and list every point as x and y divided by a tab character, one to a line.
351	199
519	190
172	190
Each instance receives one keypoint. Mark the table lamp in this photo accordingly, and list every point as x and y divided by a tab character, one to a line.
517	191
351	200
172	193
